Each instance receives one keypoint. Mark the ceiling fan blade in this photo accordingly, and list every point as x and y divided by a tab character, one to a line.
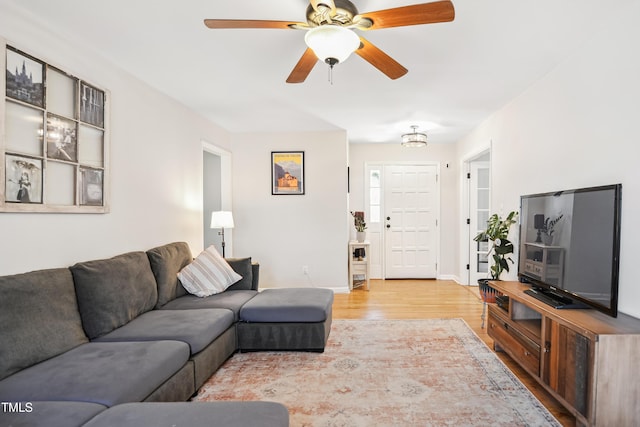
303	67
249	23
383	62
426	13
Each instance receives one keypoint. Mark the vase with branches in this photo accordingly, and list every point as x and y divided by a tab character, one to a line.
360	225
548	228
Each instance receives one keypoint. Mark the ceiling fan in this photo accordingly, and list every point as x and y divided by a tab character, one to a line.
330	36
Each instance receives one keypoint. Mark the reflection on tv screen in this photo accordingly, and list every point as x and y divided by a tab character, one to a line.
569	241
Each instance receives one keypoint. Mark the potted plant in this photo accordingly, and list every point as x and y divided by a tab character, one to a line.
501	248
548	229
361	226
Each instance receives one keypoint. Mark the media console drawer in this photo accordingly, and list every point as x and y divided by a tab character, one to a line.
521	348
533	267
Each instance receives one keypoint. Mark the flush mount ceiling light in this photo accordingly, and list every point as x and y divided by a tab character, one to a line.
331	43
414	139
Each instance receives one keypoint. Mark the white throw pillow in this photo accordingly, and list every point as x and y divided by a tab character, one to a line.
208	274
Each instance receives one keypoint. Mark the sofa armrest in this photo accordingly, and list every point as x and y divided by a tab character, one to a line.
255	267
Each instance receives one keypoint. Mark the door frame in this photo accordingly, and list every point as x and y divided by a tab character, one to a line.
376	234
465	209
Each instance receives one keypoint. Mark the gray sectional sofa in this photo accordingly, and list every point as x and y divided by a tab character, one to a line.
101	340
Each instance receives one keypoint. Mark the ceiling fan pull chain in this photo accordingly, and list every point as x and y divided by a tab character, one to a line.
331	74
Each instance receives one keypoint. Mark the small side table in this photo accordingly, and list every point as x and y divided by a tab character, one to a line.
359	265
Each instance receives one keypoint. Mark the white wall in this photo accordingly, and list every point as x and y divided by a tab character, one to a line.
443	154
286	232
575	128
156	168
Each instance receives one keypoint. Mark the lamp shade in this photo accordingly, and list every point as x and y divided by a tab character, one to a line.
332	43
221	219
538	221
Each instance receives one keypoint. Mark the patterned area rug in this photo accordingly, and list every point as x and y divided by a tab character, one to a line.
432	372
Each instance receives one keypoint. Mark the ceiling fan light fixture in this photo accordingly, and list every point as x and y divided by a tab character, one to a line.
332	43
414	139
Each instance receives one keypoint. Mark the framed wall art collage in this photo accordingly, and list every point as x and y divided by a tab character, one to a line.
54	140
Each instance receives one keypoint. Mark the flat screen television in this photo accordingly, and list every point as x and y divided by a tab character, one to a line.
569	247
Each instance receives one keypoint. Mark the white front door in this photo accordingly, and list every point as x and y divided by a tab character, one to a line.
411	206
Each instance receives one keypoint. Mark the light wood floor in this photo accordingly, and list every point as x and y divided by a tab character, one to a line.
421	299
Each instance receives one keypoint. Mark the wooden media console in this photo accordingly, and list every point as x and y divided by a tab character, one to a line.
587	360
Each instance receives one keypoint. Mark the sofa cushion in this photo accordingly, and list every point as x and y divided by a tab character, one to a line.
243	267
166	262
232	300
111	292
107	373
198	328
51	414
192	414
208	274
39	318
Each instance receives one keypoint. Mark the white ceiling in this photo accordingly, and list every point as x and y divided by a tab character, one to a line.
459	72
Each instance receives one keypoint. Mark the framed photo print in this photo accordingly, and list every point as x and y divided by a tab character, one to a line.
287	172
54	139
62	139
25	78
23	179
91	187
91	105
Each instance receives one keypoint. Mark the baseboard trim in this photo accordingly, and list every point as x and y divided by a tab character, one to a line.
335	290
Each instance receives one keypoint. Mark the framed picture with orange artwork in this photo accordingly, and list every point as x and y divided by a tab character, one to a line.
287	172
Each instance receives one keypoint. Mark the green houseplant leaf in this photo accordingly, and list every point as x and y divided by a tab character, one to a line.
497	232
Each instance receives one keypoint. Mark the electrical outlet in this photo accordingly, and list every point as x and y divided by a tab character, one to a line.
305	270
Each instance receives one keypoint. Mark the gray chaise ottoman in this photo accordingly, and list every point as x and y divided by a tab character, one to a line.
194	414
286	319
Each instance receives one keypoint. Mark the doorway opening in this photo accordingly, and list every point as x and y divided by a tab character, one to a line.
476	209
216	194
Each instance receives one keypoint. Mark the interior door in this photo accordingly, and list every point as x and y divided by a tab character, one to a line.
479	199
411	206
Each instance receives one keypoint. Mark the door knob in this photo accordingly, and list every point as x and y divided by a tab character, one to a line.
388	225
388	218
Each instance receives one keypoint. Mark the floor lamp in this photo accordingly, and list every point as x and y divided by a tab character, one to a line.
222	220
